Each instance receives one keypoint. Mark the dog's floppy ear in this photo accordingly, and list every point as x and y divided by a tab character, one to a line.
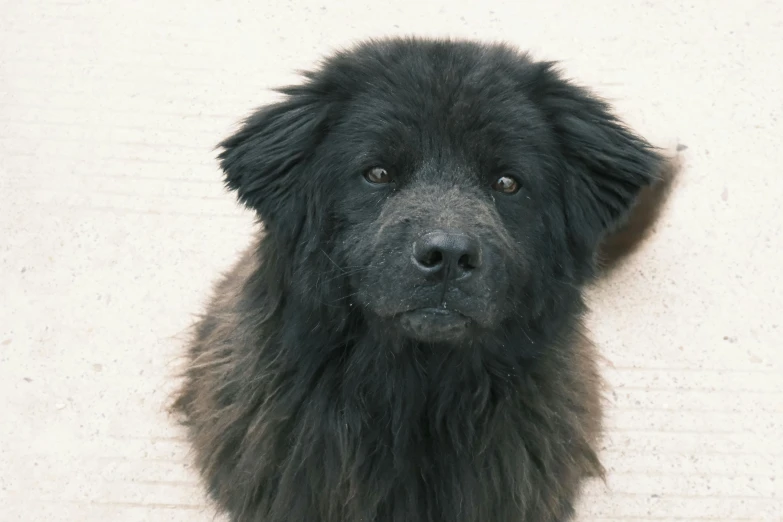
266	161
605	165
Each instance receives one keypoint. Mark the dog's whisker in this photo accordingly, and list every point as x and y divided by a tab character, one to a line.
330	259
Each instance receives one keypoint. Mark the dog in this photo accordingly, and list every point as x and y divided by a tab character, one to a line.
403	341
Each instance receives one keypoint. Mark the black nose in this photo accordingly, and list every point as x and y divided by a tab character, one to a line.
451	255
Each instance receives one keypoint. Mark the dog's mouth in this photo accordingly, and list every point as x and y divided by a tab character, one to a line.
434	324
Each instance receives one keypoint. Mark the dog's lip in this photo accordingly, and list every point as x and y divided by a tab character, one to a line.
435	324
436	311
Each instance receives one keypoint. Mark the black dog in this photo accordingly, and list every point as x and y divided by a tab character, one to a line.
404	341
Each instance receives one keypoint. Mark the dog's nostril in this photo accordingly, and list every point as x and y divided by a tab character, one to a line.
466	262
431	259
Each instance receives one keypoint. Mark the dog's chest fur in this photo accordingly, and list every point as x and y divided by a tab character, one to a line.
362	432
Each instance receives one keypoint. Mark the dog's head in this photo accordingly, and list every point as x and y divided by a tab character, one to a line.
440	188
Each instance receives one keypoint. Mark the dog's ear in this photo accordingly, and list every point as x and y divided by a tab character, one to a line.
266	161
604	164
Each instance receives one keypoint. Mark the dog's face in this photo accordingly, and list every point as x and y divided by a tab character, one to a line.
441	206
441	188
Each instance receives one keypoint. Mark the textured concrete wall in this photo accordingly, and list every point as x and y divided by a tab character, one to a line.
113	223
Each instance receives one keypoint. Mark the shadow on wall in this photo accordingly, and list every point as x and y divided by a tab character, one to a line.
641	222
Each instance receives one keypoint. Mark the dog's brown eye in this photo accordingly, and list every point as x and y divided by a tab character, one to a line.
506	184
378	176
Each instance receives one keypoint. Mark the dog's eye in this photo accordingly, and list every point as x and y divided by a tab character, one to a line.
506	185
378	176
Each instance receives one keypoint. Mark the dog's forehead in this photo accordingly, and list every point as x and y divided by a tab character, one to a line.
449	128
463	85
440	98
461	110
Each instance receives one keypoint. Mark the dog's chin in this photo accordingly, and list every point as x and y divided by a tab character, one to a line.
434	325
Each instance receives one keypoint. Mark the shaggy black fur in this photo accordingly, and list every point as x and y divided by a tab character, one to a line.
334	379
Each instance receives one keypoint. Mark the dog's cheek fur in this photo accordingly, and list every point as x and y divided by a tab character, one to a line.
603	166
267	163
274	166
